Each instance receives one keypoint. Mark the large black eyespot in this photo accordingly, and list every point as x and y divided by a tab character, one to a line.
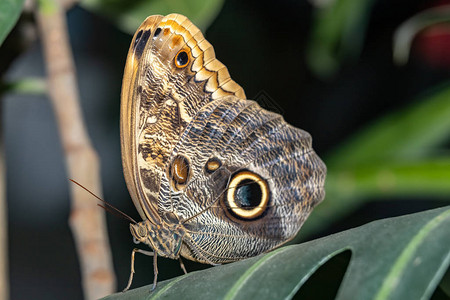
247	196
179	171
181	59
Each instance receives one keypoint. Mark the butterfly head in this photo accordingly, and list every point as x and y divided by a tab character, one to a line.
165	240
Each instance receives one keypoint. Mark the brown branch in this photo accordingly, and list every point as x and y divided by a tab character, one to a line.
87	221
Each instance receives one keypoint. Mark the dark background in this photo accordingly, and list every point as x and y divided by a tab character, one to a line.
263	45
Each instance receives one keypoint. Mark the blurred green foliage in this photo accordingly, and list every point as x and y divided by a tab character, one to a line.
128	15
9	14
337	35
339	30
402	154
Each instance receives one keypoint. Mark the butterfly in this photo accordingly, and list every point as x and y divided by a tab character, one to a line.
214	177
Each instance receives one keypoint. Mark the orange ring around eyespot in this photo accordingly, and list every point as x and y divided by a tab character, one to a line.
176	59
247	213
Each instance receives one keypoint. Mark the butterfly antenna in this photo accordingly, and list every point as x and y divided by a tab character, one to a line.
108	207
113	212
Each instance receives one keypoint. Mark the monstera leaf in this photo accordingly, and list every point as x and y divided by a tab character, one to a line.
399	258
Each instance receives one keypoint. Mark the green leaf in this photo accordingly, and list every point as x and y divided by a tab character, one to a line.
9	14
407	134
338	33
397	258
406	32
406	178
48	7
30	85
347	188
392	157
128	15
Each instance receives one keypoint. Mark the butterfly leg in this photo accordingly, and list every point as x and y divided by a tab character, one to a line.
149	253
182	265
155	271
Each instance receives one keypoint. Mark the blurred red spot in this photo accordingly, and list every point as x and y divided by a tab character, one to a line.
433	45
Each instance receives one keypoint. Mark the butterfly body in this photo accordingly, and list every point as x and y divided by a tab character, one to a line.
215	177
165	238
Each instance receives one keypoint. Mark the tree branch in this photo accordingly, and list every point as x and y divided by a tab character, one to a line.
87	221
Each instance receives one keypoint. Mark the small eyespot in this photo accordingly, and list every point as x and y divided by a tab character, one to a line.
182	59
212	165
157	32
247	196
179	171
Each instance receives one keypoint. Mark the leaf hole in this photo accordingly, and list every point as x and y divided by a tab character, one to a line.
442	291
324	283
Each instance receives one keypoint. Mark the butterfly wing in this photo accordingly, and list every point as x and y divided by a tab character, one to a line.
171	72
234	179
240	156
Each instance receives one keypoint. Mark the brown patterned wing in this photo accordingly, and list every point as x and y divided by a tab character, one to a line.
252	180
170	73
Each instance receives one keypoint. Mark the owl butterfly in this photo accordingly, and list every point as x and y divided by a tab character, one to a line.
215	177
